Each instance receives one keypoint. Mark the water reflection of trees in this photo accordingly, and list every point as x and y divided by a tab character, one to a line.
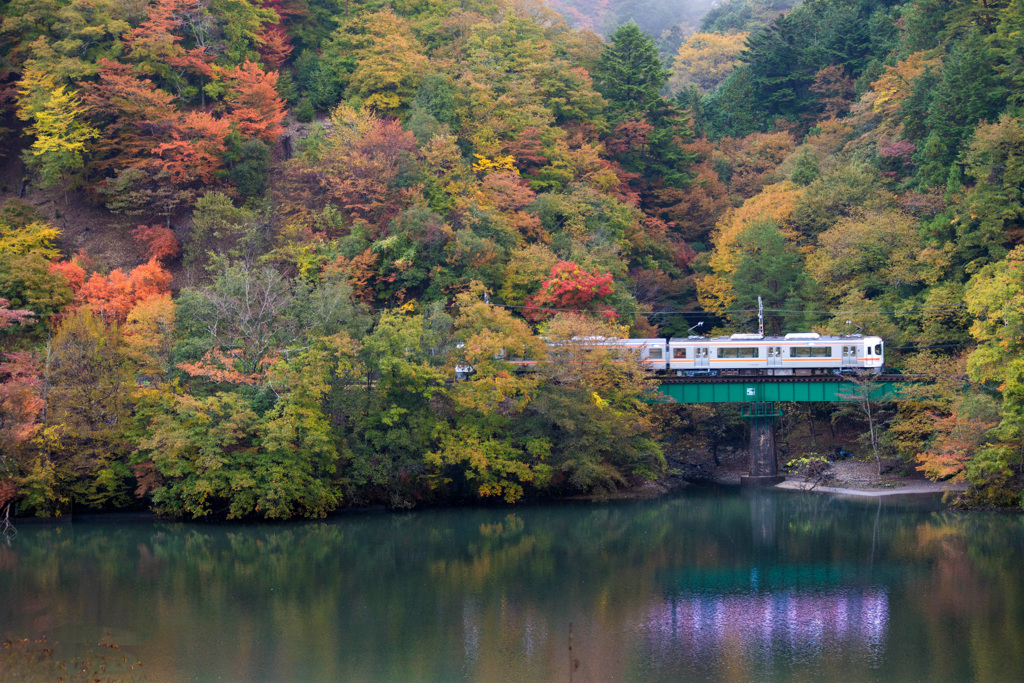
496	591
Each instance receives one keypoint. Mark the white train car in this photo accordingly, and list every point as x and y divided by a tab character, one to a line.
653	353
804	353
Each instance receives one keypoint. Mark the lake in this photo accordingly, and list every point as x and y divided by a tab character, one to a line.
709	584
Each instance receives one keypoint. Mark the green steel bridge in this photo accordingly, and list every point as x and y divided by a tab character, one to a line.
761	394
772	389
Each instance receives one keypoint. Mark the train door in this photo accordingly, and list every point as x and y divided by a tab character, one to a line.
775	356
849	357
700	357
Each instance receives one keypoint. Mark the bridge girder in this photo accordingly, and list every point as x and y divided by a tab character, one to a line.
738	391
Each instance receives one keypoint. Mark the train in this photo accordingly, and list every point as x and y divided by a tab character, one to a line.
798	353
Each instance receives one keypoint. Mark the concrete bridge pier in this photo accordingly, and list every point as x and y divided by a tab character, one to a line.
764	468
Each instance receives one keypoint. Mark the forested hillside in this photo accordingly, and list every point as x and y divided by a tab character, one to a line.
244	245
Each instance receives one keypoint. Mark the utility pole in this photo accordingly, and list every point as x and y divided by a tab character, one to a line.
760	317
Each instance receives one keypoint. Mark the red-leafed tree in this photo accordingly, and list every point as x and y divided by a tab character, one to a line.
528	149
20	403
159	240
571	288
630	139
256	109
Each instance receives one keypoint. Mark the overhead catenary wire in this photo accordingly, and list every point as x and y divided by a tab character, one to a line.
719	314
732	311
716	314
696	313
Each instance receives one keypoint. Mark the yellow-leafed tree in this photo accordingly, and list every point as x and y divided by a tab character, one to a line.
705	60
60	136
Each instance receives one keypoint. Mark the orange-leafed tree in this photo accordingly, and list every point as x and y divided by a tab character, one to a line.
275	46
72	270
149	279
255	108
835	90
156	42
131	113
359	169
109	296
196	151
113	296
959	435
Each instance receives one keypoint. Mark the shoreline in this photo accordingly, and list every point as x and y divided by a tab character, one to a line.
870	487
850	478
916	489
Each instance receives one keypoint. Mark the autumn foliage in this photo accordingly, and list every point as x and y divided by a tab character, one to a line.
572	289
255	107
958	437
160	242
113	296
459	186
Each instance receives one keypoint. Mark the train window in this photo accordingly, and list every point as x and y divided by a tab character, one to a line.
810	352
878	349
739	352
654	354
679	353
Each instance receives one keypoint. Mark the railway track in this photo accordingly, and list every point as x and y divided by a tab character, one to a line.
785	379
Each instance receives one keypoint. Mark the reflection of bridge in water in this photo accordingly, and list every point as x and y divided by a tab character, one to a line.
765	603
760	394
762	623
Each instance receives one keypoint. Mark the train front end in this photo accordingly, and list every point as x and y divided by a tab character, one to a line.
873	357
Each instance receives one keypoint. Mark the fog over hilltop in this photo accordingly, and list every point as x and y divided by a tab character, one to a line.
670	22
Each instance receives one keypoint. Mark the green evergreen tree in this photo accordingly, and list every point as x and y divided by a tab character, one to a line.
771	269
805	171
970	92
732	109
785	57
915	109
923	22
630	75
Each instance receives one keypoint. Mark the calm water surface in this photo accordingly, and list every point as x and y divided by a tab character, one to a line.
709	585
